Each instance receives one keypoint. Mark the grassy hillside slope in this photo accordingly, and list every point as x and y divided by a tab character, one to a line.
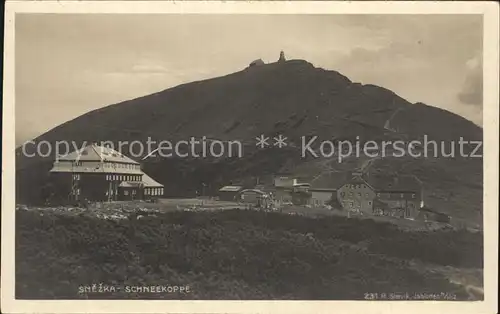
233	254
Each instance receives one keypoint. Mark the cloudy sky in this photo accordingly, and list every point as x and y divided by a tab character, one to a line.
68	64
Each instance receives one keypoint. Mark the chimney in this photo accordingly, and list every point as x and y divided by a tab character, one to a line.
421	196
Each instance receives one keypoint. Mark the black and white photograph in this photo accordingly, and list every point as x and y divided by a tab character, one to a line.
215	154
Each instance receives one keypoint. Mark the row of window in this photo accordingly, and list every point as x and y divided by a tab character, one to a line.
153	191
126	192
355	186
108	164
119	177
351	204
125	166
352	194
394	195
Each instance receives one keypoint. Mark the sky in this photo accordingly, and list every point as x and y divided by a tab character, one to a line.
69	64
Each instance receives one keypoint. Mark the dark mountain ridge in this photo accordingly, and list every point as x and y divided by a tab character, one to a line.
292	98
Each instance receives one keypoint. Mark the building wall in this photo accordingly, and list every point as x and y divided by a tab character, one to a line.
251	197
404	204
320	198
281	196
61	186
356	196
228	195
152	192
284	182
129	193
93	186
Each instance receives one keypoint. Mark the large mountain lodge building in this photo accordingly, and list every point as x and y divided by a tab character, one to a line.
99	173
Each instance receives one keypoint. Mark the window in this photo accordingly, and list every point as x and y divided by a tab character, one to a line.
125	192
413	196
359	194
134	192
402	195
369	203
342	194
367	195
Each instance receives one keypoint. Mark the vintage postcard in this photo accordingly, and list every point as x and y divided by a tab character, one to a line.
250	157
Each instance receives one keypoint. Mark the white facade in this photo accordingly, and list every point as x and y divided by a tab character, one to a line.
284	182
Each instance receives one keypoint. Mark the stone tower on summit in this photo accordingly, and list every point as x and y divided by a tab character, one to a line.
282	57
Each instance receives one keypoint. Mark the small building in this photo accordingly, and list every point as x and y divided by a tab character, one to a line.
229	192
323	188
255	63
428	214
282	57
285	181
254	197
321	196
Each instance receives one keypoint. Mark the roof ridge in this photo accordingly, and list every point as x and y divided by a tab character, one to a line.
93	145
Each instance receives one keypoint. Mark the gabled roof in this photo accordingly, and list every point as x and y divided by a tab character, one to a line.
94	152
380	183
130	184
231	188
98	167
322	190
399	183
150	182
254	191
332	180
